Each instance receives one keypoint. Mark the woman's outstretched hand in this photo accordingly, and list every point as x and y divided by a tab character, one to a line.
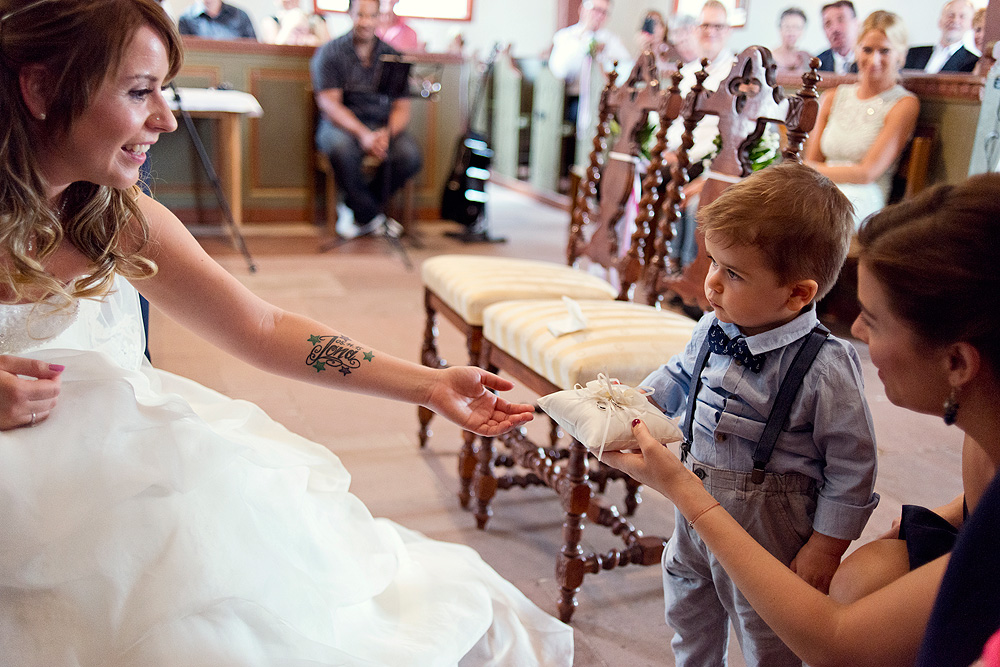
29	389
653	464
463	395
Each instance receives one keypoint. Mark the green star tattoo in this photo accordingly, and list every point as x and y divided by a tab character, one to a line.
338	352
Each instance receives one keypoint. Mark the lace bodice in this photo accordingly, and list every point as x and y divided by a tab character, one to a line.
854	124
112	326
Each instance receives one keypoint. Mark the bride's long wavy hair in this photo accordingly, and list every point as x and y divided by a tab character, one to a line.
79	43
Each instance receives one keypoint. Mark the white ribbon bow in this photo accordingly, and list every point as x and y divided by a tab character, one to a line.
617	400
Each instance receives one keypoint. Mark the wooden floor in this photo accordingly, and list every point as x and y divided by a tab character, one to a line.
365	291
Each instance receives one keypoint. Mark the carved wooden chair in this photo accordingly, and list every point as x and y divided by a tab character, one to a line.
460	287
745	102
624	340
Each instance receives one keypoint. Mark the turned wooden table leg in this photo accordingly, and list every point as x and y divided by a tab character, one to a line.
466	468
428	357
575	492
484	481
467	455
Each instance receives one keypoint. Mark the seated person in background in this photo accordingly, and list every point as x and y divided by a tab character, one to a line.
214	19
713	33
395	32
571	47
291	25
652	36
863	127
682	42
358	120
949	54
840	23
456	43
777	240
787	55
986	59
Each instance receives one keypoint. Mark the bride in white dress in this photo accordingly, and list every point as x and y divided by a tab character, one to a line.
148	520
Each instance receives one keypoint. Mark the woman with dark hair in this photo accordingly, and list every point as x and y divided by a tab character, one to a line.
148	520
652	36
791	25
928	285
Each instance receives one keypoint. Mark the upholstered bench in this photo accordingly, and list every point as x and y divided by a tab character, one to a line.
467	284
460	287
623	340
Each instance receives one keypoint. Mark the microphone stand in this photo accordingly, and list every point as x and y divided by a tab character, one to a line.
227	212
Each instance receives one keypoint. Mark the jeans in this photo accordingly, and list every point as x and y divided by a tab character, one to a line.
366	198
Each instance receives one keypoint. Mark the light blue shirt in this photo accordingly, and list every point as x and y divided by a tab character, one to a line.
829	434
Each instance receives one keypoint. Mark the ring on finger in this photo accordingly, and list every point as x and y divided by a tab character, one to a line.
33	417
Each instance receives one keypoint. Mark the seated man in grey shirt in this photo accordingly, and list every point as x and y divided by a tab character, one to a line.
358	120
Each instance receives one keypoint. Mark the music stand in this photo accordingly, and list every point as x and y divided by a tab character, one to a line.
206	163
392	79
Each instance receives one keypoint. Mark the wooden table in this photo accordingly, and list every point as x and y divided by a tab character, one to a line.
226	107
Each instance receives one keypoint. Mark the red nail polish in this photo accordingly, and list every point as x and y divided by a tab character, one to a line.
57	368
635	422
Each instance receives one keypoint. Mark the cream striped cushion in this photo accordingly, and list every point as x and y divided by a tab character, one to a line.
469	283
622	340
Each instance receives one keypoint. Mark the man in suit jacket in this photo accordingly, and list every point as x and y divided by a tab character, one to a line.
948	55
840	23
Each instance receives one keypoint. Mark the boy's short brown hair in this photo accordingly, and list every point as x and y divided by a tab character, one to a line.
798	218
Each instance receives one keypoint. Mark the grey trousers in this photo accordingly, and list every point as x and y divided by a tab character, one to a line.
701	599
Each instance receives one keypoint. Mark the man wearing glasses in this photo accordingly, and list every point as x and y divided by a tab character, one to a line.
712	33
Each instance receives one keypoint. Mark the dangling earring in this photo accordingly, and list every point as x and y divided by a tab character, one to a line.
951	407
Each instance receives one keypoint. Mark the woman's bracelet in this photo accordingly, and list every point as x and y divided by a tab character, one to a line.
699	514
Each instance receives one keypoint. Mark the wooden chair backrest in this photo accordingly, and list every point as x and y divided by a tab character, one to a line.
911	175
745	103
603	192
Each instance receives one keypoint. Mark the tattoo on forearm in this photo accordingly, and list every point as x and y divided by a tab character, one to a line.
338	352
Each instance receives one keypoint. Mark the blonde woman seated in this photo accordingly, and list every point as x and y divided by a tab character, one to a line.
864	127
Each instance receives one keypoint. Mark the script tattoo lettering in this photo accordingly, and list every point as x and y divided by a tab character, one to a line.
338	352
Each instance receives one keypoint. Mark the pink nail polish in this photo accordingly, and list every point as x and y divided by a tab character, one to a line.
57	368
635	422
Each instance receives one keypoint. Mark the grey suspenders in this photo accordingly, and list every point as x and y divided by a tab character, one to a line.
782	403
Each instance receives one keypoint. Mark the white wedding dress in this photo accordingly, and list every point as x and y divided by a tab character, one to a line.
150	521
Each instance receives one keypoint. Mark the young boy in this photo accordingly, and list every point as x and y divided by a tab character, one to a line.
777	241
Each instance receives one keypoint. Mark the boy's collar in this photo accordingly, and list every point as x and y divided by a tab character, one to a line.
777	337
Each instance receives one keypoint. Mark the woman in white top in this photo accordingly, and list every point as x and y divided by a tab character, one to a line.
864	127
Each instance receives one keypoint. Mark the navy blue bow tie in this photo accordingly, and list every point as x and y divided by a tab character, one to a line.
737	348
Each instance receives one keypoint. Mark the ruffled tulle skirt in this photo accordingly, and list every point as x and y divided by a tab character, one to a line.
152	521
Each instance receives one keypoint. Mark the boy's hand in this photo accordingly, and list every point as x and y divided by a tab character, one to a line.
818	559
